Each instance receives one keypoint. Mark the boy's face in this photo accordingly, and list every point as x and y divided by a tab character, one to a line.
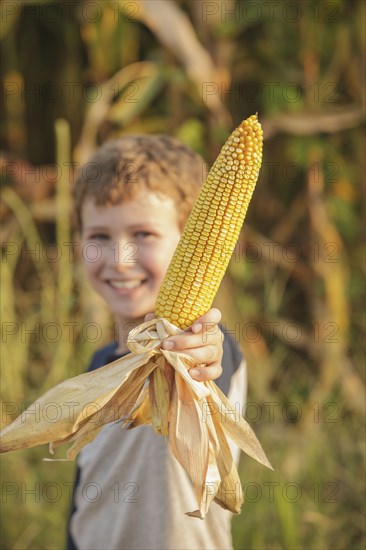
126	250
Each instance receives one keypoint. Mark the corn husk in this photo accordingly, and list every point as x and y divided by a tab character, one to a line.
148	386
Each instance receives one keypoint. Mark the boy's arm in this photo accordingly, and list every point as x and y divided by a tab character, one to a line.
204	342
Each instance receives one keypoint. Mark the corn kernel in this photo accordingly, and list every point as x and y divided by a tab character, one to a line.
199	261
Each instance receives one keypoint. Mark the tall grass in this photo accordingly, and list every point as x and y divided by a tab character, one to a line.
42	344
314	385
311	500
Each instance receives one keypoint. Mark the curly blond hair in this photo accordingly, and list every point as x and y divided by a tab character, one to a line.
122	168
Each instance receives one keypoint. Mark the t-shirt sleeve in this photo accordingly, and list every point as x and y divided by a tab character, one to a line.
103	356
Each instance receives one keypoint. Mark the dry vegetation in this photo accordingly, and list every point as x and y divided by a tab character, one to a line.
294	293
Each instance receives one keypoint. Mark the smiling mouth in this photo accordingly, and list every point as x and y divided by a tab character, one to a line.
126	285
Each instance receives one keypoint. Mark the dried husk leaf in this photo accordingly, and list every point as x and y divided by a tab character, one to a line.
77	400
76	447
188	437
118	408
229	494
235	426
159	394
141	415
210	485
120	392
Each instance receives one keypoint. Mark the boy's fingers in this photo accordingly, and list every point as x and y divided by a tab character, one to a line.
206	321
198	335
207	355
187	340
206	373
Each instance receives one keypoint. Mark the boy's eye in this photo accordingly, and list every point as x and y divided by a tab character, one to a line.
144	234
98	237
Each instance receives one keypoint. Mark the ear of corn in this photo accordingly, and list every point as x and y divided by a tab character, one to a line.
212	229
172	401
159	395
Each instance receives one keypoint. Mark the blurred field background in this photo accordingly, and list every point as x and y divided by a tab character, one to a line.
78	73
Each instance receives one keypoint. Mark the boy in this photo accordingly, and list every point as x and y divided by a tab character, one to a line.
131	493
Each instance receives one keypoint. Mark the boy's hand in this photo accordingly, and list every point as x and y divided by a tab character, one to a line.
202	341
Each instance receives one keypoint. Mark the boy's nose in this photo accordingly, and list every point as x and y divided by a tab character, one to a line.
124	254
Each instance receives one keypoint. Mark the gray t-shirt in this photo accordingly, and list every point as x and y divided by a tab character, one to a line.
131	492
